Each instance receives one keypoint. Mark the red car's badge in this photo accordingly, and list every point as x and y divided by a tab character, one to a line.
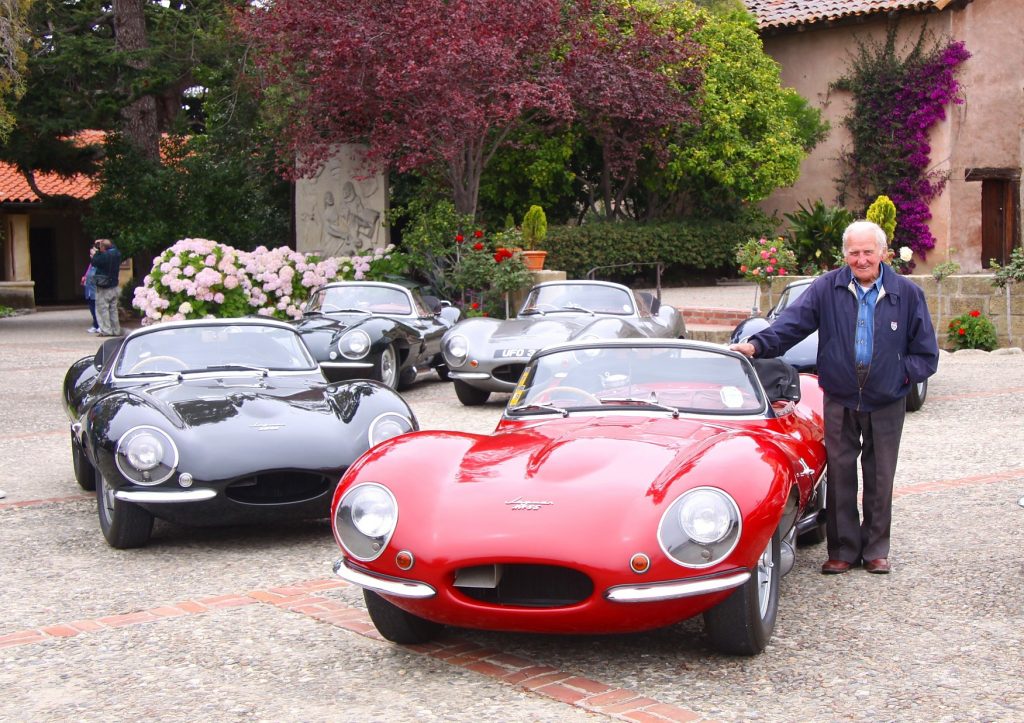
520	504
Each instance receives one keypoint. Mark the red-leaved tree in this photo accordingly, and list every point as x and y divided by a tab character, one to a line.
423	83
631	85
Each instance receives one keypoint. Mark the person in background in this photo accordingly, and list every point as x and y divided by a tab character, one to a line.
89	282
875	340
107	262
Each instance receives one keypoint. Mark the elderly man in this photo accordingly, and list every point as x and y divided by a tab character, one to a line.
875	340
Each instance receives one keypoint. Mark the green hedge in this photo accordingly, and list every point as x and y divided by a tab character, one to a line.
706	246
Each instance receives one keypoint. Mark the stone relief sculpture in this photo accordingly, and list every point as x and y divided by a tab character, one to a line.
339	211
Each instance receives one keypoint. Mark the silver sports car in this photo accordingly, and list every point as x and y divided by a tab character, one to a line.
487	355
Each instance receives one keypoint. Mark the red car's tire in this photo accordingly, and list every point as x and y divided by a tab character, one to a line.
742	624
396	625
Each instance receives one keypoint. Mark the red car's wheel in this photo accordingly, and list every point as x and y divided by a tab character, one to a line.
743	623
396	625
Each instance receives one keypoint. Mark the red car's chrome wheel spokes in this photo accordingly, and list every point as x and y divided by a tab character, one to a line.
765	570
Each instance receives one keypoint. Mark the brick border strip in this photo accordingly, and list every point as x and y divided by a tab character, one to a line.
575	690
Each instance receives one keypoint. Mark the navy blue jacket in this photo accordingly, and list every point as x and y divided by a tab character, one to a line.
904	350
108	263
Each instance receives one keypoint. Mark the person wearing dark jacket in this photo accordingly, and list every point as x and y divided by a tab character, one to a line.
875	340
107	263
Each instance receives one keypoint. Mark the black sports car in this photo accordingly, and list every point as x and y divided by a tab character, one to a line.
216	421
375	330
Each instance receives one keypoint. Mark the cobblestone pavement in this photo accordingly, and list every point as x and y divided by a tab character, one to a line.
249	624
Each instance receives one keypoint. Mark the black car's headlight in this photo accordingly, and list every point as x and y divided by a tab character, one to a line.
388	425
146	455
456	350
365	519
700	528
354	344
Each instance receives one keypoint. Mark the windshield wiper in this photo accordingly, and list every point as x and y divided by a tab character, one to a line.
548	407
227	368
348	310
653	402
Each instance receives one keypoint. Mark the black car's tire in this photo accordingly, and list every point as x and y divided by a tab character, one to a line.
816	535
123	524
385	368
918	392
443	373
407	377
396	625
742	624
470	396
85	474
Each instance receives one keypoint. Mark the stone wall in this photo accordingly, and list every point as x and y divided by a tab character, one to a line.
956	295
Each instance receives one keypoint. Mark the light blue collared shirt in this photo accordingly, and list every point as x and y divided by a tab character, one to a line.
864	339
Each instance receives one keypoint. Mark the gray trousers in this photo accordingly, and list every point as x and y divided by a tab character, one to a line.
106	310
875	438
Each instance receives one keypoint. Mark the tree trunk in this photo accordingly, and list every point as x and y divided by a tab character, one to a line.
138	119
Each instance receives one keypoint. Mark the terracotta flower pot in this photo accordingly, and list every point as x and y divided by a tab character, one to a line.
534	260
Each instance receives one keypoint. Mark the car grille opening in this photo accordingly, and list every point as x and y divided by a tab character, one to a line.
536	586
274	488
508	372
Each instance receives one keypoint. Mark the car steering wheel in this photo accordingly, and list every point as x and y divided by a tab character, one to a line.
160	359
552	393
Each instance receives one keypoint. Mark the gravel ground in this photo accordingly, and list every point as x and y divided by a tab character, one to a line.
940	639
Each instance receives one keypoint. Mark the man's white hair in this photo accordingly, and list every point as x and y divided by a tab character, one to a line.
858	227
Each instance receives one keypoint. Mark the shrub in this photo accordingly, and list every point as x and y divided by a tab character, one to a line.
972	330
817	233
488	269
760	259
535	227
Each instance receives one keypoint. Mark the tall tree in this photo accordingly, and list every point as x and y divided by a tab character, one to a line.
13	38
424	83
632	84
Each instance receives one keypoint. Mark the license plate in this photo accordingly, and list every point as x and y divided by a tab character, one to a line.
514	353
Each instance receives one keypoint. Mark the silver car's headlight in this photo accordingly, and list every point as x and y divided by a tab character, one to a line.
456	350
388	425
146	455
700	528
354	344
365	519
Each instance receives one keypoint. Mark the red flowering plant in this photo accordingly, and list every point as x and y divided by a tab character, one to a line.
487	271
972	330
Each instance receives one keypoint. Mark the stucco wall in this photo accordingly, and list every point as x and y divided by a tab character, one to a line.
986	131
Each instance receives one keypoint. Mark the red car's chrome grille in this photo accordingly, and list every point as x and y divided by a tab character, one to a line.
274	488
508	372
536	586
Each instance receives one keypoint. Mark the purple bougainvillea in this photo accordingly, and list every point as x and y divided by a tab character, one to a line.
896	103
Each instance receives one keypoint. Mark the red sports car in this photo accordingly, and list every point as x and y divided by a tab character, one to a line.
630	484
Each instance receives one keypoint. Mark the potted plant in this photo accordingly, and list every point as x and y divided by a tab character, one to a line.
535	228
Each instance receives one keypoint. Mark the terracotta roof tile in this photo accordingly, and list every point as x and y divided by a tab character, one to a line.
14	188
788	13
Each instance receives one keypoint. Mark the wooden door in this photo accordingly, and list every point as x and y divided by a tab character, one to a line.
999	228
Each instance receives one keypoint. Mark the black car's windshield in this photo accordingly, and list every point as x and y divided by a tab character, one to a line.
667	378
789	295
360	298
207	348
578	298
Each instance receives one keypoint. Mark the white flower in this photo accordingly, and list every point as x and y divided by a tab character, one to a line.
185	308
906	253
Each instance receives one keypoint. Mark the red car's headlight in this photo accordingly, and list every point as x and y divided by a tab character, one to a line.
700	528
365	519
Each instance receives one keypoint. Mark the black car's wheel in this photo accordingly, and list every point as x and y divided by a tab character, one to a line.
397	625
385	369
743	623
123	524
816	535
470	396
915	400
407	377
85	474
